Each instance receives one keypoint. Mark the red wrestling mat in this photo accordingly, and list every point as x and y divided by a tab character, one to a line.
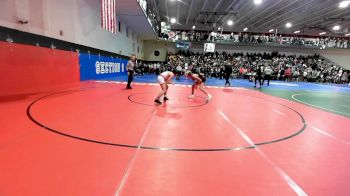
100	139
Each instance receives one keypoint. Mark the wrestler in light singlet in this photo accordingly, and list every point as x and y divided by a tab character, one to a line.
164	79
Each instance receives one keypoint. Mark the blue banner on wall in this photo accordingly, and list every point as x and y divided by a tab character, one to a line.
94	67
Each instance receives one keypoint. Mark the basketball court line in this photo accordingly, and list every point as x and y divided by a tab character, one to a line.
329	135
281	113
339	93
132	161
292	184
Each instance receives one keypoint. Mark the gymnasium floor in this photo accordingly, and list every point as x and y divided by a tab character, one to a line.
97	138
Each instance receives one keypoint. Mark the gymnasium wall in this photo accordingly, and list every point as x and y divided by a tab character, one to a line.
76	21
152	46
339	56
29	69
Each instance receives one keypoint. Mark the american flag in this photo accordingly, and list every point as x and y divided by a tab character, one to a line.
108	15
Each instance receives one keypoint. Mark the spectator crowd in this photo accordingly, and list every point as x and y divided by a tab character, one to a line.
275	66
271	38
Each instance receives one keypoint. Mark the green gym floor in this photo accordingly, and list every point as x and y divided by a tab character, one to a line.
335	102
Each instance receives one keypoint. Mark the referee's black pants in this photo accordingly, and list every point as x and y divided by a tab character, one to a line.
227	78
130	78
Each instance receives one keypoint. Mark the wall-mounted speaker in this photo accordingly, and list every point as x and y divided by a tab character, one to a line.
156	53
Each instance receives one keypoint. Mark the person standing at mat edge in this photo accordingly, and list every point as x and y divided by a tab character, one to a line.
258	76
267	74
130	67
228	72
164	79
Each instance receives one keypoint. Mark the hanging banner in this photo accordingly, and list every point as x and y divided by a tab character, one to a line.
95	67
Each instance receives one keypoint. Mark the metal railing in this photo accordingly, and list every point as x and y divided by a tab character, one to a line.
271	40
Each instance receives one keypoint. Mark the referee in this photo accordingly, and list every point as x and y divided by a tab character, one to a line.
130	67
228	72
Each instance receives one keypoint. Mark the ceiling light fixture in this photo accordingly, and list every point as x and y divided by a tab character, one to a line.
257	2
173	20
347	34
323	33
289	25
271	30
336	28
245	29
230	22
344	4
193	27
296	32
